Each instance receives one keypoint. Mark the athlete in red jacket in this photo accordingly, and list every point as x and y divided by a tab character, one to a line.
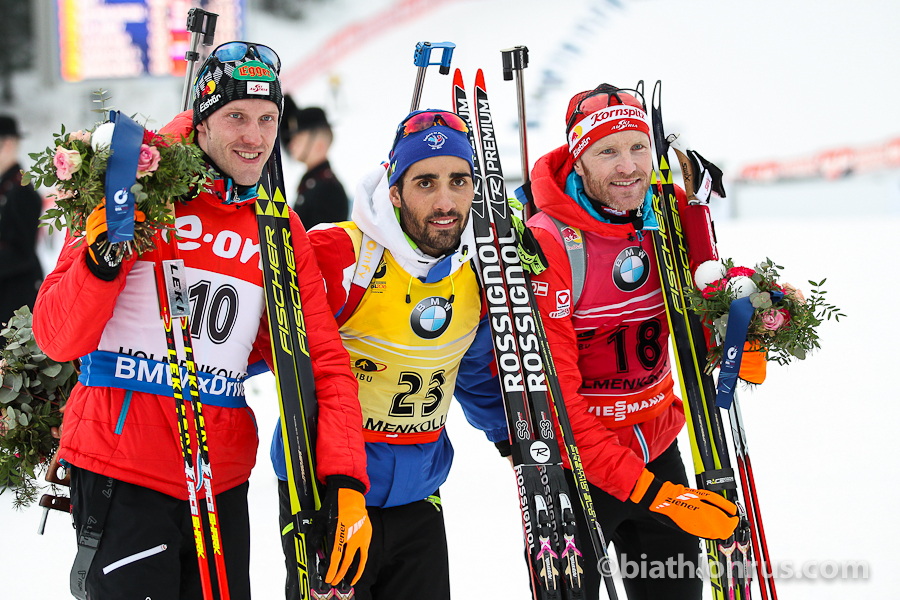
120	421
610	346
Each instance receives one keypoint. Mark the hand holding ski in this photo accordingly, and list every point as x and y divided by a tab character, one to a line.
698	512
349	530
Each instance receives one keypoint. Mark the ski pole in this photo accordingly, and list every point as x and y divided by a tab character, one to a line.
692	182
199	22
422	59
174	306
709	449
515	60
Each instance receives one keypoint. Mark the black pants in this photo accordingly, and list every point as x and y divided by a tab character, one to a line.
407	556
148	547
657	562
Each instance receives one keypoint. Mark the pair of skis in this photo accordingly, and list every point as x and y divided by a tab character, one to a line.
296	382
528	380
729	560
174	305
296	394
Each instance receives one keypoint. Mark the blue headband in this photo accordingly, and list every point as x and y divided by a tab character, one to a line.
435	141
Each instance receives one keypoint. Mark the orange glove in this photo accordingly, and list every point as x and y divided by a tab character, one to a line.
103	265
96	222
753	364
698	512
349	530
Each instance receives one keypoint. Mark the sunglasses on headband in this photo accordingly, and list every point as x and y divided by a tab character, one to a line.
598	99
426	119
234	51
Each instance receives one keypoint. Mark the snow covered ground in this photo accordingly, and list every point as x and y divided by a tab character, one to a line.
819	431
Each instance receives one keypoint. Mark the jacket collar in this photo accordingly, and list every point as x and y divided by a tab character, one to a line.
374	214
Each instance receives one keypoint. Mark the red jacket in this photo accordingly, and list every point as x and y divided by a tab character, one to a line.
133	436
612	457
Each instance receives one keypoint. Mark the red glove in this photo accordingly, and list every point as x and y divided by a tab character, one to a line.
348	528
698	512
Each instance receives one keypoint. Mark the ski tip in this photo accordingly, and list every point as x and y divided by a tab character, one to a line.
479	79
458	79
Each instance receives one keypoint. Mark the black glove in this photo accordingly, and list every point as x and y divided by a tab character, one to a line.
504	447
102	259
707	177
530	253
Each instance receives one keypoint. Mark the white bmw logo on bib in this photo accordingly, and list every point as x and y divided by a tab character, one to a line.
431	317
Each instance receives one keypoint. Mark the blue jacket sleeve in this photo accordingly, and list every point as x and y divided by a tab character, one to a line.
478	387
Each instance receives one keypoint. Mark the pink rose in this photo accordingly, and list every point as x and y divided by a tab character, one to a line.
81	136
794	293
774	320
148	161
60	194
66	162
740	272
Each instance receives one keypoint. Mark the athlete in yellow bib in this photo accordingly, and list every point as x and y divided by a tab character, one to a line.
402	285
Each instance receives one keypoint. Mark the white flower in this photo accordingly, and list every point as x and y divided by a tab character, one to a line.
742	286
707	272
102	136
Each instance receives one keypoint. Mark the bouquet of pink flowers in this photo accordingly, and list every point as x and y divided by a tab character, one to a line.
76	165
785	328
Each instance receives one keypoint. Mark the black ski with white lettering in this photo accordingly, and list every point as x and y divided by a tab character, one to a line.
528	376
294	375
740	554
712	460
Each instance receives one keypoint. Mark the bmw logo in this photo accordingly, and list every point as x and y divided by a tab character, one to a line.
431	317
631	269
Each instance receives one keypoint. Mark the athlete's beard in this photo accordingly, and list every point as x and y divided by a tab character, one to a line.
430	241
600	191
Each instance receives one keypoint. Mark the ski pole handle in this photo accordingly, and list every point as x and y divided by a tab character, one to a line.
49	501
52	474
422	59
676	142
199	23
515	60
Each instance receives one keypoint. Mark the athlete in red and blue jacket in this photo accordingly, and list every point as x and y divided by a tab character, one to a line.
610	346
120	420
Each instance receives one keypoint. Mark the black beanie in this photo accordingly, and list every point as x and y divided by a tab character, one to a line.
219	82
